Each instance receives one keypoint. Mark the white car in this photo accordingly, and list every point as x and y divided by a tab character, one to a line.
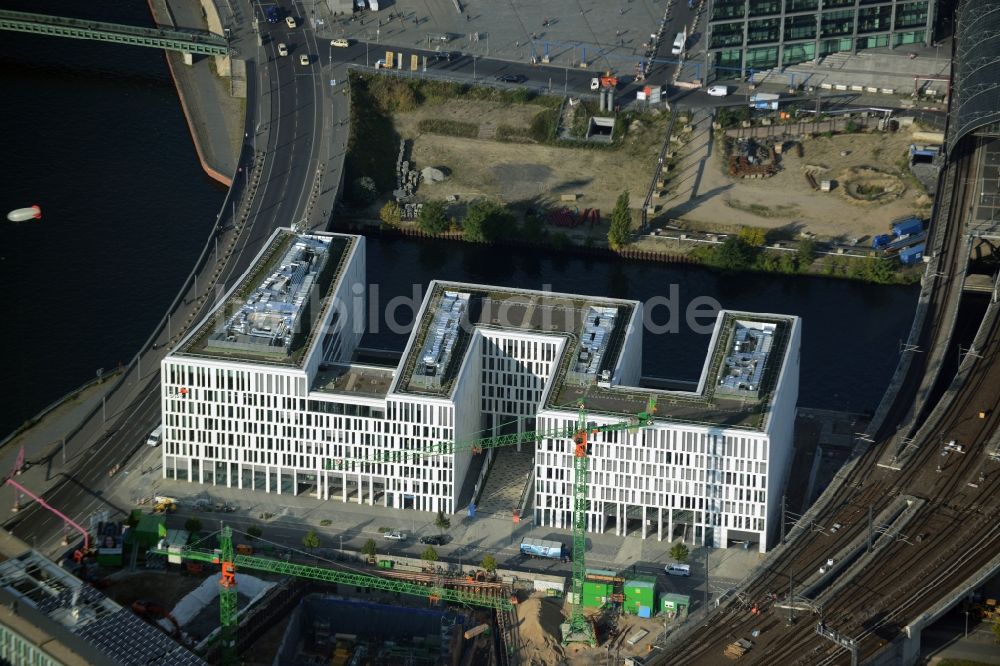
595	84
340	43
303	59
718	91
282	50
395	536
289	21
379	64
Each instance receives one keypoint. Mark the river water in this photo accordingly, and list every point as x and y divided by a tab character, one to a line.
94	134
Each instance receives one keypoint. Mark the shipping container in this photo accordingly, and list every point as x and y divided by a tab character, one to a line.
552	550
595	595
911	255
907	227
640	592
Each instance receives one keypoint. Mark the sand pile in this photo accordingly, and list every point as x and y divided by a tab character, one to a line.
538	626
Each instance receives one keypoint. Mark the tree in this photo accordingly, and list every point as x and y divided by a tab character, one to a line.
806	251
489	563
679	551
363	191
733	255
753	236
311	540
442	522
192	525
485	221
370	548
621	223
429	554
254	532
433	218
532	228
391	214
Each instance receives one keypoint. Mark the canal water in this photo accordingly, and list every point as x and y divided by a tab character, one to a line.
94	134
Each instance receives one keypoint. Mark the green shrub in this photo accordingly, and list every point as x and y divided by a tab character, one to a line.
448	127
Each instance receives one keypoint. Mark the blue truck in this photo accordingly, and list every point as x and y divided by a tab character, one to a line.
550	550
881	241
911	255
907	227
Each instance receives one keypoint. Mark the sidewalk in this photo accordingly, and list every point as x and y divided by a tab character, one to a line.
214	117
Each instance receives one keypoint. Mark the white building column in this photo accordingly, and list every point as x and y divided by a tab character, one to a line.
343	487
670	524
267	478
644	522
659	523
277	482
361	489
239	474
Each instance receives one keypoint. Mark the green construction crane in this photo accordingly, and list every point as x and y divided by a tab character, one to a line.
579	628
229	562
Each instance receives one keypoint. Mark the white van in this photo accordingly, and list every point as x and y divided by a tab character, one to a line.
678	569
155	437
678	46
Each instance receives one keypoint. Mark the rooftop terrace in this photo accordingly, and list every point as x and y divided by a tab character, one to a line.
361	380
724	400
269	316
595	325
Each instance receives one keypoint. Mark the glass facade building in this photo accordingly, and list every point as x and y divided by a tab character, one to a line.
748	35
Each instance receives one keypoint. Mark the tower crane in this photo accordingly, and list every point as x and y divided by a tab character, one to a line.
229	561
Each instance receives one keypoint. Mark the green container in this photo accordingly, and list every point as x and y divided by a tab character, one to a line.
385	564
640	592
595	595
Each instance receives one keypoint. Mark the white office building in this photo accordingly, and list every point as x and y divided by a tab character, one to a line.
267	394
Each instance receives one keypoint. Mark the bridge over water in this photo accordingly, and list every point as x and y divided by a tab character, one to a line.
173	39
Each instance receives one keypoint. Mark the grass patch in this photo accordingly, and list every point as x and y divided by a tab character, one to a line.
448	127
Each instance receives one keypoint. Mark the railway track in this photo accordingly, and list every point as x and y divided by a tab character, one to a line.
947	539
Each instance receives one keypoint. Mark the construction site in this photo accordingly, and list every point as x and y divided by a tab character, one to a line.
291	607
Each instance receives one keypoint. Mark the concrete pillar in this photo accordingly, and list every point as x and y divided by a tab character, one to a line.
670	524
644	522
911	644
361	490
295	481
659	523
343	487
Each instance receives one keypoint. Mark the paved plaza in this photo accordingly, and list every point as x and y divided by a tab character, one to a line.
604	34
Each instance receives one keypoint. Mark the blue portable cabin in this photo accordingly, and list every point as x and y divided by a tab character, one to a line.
911	255
907	227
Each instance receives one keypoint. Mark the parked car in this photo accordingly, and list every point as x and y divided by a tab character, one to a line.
718	91
303	59
511	78
340	42
595	84
380	63
282	49
395	536
434	540
289	21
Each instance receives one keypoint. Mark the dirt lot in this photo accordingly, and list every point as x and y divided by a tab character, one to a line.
703	196
519	172
539	619
160	587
